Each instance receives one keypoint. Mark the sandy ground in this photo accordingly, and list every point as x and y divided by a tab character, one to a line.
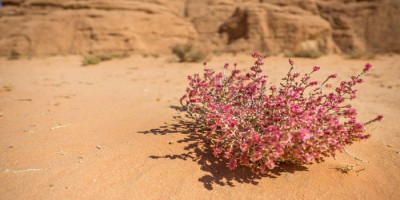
112	131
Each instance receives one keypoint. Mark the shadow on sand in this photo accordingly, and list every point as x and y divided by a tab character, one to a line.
199	151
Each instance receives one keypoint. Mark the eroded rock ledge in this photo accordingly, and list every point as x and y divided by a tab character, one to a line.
48	27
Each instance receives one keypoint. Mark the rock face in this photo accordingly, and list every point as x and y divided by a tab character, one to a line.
75	27
274	29
48	27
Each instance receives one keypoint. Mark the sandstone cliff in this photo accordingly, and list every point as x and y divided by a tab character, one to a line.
48	27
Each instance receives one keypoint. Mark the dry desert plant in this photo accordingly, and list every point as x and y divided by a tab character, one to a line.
258	125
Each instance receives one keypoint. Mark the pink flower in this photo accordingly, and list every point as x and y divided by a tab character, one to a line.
217	151
303	134
333	76
308	157
213	106
291	62
244	146
226	65
285	139
296	109
232	163
244	159
271	128
367	67
270	164
255	55
359	127
228	153
313	83
256	156
316	68
255	137
351	112
380	117
213	127
183	97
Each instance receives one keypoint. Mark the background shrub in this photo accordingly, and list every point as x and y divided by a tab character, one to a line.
188	53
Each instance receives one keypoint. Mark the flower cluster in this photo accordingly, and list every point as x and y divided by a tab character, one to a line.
258	125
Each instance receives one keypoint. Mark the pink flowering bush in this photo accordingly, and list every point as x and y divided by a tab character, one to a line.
259	126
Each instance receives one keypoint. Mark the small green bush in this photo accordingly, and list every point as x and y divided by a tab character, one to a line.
188	53
310	53
14	55
360	55
93	59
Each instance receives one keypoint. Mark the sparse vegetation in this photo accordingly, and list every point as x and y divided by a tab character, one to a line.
360	55
188	53
14	55
309	53
154	55
93	59
271	53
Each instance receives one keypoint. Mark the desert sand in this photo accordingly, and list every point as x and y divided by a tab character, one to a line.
114	131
